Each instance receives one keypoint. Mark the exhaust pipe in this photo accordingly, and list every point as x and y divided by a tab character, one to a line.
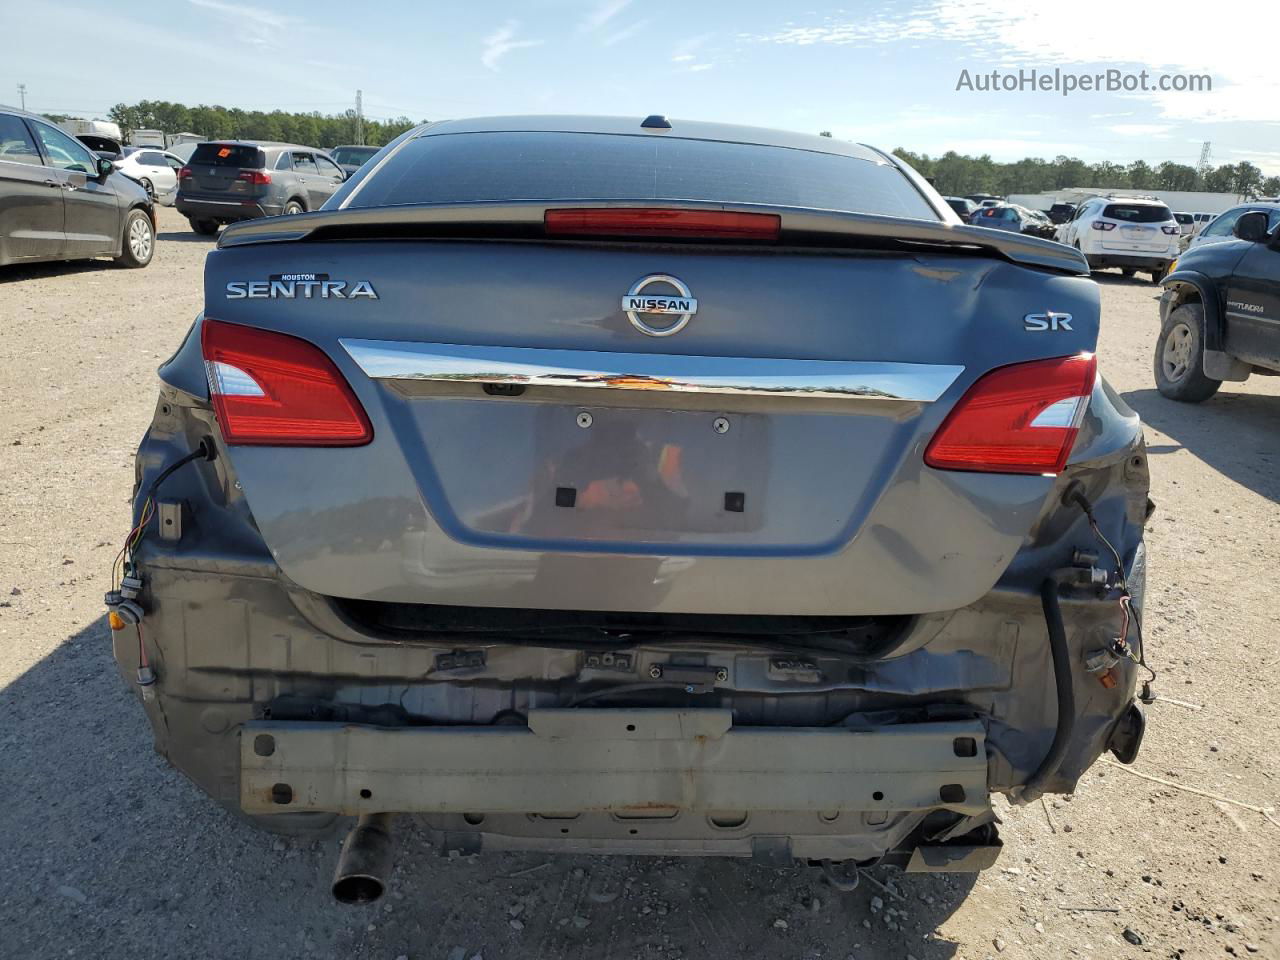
365	860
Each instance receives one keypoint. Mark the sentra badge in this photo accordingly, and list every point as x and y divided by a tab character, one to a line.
300	286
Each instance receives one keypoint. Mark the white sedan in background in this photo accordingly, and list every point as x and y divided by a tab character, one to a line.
156	169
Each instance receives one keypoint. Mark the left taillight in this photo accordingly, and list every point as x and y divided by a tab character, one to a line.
271	389
185	173
1021	418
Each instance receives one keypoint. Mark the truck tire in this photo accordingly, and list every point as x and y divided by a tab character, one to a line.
1179	359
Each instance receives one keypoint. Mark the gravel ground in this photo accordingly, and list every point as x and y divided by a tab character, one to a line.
104	851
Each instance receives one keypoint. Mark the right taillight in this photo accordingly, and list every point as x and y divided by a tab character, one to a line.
255	177
271	389
1017	419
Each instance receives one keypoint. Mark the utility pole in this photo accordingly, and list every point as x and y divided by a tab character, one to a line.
22	94
359	118
1206	150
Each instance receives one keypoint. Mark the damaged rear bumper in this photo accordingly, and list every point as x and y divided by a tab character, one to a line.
638	780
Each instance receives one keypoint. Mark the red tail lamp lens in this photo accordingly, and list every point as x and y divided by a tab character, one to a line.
271	389
1017	419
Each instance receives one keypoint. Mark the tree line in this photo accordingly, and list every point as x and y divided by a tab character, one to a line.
225	123
957	174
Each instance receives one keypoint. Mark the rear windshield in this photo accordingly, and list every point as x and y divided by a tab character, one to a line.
1183	218
1138	213
229	155
353	154
460	168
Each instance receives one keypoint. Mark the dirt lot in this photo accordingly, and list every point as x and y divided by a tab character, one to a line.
104	851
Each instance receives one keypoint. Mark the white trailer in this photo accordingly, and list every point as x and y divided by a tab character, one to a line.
79	127
147	138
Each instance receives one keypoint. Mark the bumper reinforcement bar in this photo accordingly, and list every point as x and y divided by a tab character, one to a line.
611	760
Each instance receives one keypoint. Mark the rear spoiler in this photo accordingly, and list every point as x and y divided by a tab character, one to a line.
523	219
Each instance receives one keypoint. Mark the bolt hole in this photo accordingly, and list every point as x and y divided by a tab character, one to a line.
264	745
564	829
475	819
877	796
631	728
282	794
635	831
965	747
366	793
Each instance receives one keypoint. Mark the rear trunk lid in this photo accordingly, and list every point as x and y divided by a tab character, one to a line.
533	447
1138	228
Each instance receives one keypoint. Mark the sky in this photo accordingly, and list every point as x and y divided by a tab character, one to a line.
883	72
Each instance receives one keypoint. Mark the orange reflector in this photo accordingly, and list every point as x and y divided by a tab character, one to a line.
116	621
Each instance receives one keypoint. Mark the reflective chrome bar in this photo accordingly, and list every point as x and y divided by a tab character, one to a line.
853	379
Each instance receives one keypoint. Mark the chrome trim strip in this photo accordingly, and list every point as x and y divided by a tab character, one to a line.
455	363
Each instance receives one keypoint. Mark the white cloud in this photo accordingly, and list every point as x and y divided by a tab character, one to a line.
1084	36
686	52
626	33
255	25
601	14
501	42
1140	129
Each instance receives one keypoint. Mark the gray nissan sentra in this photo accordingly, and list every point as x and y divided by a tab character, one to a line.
638	486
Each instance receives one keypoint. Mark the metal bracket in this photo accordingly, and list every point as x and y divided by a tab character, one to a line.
772	851
169	519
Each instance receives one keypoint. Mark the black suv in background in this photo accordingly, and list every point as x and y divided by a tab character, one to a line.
1220	312
230	180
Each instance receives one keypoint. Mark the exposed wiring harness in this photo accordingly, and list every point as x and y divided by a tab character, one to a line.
126	582
123	563
1128	612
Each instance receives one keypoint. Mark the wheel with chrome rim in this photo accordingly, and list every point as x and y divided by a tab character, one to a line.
1179	357
139	240
292	208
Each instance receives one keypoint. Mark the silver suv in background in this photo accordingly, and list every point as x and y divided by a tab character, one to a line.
230	180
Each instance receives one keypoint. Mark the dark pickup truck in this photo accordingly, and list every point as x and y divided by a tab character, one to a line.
1220	313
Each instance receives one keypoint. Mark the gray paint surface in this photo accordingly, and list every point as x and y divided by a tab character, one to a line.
453	501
